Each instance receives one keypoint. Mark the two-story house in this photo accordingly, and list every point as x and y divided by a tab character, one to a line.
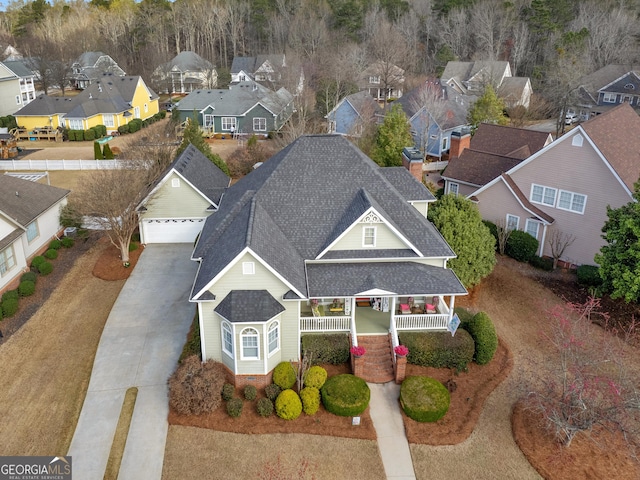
604	89
27	79
353	114
185	73
383	80
262	68
90	66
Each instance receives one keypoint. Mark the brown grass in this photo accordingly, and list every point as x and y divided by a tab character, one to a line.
47	364
120	437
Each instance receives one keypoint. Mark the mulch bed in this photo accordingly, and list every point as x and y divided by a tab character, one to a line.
45	286
109	266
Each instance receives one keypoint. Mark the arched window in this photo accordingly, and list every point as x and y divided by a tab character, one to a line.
250	344
274	337
227	339
576	141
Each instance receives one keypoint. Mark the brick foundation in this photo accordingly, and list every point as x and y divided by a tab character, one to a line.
357	366
399	369
241	381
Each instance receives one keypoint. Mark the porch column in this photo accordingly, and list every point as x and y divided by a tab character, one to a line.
451	305
392	308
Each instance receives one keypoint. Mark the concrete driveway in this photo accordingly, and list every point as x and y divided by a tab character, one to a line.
139	347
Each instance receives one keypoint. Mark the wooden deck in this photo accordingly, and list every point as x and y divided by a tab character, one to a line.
37	134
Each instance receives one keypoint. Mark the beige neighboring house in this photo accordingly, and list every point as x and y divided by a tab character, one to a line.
185	73
470	78
10	96
568	185
382	80
177	206
29	220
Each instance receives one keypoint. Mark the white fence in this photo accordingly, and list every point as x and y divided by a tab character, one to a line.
434	166
40	165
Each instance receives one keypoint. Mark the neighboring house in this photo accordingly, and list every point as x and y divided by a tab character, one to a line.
383	81
605	88
111	101
29	219
435	112
243	108
568	185
263	68
27	79
185	73
90	66
492	151
471	78
353	114
319	239
10	95
188	192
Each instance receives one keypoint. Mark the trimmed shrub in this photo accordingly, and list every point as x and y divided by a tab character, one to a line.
123	129
424	399
107	153
162	114
589	275
493	229
51	254
10	294
194	388
26	288
45	268
9	307
315	377
288	405
284	375
485	337
542	263
135	125
228	391
521	246
326	348
89	135
234	407
192	345
264	407
272	391
29	276
439	349
345	395
310	397
97	151
37	261
67	242
55	245
250	393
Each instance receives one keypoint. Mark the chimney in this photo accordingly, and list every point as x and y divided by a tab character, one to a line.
459	142
412	161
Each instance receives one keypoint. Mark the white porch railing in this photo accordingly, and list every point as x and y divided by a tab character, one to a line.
434	321
434	166
325	324
41	165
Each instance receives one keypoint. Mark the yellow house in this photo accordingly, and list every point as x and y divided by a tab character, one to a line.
111	101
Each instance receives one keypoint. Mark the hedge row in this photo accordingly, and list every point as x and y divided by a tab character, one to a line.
137	124
92	133
326	348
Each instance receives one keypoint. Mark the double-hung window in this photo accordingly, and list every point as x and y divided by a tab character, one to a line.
107	120
227	339
32	231
532	227
273	337
609	98
453	188
259	124
250	347
513	222
544	195
369	237
573	202
207	120
75	124
7	260
228	123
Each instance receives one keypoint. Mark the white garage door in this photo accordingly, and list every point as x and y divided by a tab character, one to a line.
171	230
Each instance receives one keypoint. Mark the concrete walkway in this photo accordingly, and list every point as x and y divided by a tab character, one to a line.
139	347
392	440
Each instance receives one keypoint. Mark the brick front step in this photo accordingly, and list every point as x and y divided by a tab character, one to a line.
378	362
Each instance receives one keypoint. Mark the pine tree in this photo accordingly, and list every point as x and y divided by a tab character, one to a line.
108	154
488	109
97	151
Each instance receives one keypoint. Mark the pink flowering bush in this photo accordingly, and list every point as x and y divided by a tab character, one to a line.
401	350
358	351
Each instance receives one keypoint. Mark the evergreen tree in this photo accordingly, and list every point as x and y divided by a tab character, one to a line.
97	151
488	108
108	154
460	223
192	134
393	135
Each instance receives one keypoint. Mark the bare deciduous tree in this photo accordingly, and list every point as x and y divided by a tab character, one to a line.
503	232
559	241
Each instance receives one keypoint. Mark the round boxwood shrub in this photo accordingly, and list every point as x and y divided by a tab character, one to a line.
45	268
284	375
345	395
315	377
485	337
264	407
250	393
30	276
288	405
67	242
51	254
37	261
310	397
228	391
9	307
424	399
234	407
26	288
10	294
521	246
55	244
272	391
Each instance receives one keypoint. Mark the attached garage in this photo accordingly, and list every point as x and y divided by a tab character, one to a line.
171	230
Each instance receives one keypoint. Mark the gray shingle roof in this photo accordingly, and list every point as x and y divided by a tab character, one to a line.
249	306
289	209
189	61
32	198
401	278
18	67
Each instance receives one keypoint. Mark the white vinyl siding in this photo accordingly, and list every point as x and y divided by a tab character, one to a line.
369	237
513	222
532	227
228	123
7	260
32	231
227	339
543	195
250	345
259	124
573	202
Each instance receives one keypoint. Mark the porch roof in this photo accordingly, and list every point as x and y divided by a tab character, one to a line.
398	278
249	306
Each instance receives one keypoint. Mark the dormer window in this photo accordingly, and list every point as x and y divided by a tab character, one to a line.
369	237
630	86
